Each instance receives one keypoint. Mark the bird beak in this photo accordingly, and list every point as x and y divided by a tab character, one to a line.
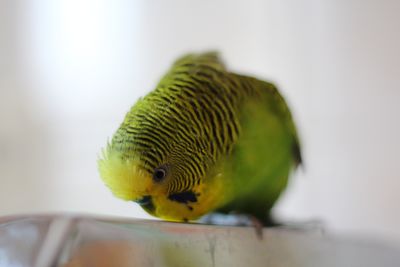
144	200
147	204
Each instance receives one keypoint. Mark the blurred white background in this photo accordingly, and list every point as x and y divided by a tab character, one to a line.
69	70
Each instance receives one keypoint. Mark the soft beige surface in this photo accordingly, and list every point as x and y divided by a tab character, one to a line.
107	254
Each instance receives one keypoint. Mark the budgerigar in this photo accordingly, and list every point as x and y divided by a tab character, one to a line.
204	140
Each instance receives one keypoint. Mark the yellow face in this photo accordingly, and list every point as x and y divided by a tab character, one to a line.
152	190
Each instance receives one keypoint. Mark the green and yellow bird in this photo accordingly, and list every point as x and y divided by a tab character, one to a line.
205	140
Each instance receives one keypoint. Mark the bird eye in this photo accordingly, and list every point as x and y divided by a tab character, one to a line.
159	174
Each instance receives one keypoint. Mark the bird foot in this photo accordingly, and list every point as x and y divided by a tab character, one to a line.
234	220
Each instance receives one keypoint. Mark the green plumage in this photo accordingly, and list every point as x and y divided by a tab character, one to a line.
222	141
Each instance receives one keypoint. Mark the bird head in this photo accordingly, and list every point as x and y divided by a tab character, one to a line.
168	191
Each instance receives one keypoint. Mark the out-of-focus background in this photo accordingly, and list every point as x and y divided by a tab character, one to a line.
69	70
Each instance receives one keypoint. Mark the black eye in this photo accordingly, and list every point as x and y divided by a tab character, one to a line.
159	174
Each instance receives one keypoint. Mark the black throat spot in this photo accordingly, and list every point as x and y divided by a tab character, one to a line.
183	197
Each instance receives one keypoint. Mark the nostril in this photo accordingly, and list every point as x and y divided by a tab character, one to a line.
144	200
